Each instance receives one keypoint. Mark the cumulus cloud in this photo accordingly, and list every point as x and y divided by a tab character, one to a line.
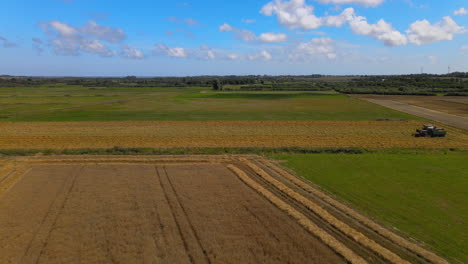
460	12
423	32
243	34
109	34
263	55
382	31
293	14
367	3
170	51
249	36
131	53
297	14
315	47
70	40
204	52
272	37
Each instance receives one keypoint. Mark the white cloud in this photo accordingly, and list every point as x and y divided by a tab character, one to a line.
382	31
464	47
131	53
263	55
297	14
205	53
460	12
422	32
171	51
94	46
103	32
249	36
314	47
245	35
367	3
233	56
272	37
292	14
70	40
62	28
225	28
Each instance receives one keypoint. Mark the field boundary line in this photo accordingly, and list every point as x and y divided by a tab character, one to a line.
329	218
328	239
426	254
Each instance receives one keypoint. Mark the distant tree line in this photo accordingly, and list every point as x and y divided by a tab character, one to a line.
418	84
407	85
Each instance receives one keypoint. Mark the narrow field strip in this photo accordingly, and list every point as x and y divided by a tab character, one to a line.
428	255
344	228
328	239
140	161
126	163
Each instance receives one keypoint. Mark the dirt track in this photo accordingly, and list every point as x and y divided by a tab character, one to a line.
220	209
445	118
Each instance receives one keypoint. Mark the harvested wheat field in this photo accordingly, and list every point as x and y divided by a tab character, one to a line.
361	134
184	209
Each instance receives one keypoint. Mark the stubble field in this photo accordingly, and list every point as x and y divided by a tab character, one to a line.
185	209
167	134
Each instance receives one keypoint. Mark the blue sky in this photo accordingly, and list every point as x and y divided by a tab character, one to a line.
205	37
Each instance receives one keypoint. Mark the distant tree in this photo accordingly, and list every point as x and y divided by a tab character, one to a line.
217	86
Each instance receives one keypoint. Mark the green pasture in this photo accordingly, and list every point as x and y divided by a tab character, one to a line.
77	103
422	195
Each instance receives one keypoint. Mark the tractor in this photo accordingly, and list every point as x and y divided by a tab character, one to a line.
430	131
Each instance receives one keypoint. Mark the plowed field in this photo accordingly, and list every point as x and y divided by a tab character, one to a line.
361	134
186	209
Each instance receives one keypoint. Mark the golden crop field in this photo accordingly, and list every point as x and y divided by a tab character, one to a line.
168	134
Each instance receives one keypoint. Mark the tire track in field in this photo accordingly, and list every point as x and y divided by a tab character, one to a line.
39	241
325	215
179	229
194	250
353	245
302	219
418	250
192	228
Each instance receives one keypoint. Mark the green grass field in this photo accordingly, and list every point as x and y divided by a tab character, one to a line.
424	196
76	103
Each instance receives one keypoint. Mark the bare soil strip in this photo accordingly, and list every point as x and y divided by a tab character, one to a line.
190	209
444	118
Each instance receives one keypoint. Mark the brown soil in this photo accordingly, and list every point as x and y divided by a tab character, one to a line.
144	213
189	209
449	110
313	134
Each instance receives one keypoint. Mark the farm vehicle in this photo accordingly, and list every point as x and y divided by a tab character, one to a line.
430	131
